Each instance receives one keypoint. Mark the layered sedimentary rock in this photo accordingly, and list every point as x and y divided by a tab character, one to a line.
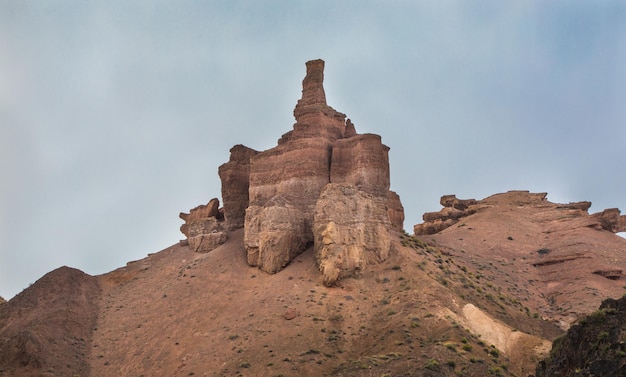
395	210
235	177
275	194
351	230
611	220
285	182
203	227
363	161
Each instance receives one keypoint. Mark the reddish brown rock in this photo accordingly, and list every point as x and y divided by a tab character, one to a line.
284	183
362	161
611	220
583	206
235	177
395	210
290	314
351	230
211	209
453	202
203	227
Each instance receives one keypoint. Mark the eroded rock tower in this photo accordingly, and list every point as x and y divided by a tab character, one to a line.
322	185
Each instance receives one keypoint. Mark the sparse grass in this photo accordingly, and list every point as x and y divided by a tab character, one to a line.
432	364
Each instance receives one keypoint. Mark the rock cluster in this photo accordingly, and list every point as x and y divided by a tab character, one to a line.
322	185
203	227
455	209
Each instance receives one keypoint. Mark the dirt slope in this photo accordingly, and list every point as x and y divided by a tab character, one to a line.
46	329
476	299
178	313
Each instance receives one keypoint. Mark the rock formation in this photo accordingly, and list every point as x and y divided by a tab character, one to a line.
351	230
455	209
593	347
235	177
275	194
285	184
203	227
611	220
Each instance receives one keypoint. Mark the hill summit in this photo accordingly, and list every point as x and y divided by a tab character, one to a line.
306	270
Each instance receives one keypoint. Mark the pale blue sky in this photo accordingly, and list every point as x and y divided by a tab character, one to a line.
115	115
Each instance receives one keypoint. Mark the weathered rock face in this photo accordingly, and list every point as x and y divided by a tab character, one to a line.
395	210
275	234
235	177
203	227
611	220
285	182
363	161
351	230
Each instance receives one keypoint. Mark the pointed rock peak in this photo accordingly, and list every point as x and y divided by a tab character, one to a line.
313	95
313	84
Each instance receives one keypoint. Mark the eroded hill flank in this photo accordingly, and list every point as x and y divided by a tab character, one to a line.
557	258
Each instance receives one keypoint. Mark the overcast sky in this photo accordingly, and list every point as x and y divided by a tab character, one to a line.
115	115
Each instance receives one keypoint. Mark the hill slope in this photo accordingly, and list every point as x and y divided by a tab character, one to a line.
467	300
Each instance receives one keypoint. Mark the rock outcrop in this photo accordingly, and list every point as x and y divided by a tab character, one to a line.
611	220
455	209
275	194
351	230
593	347
285	182
203	227
235	177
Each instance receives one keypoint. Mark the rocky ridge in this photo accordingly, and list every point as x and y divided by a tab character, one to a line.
571	258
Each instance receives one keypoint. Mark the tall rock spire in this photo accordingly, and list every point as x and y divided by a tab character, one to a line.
313	85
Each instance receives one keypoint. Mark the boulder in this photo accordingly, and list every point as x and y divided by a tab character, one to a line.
453	202
203	227
351	229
